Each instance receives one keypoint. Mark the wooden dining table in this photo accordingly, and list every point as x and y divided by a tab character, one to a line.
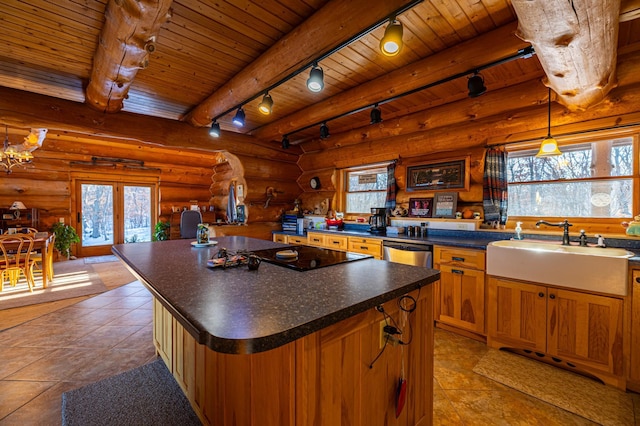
40	244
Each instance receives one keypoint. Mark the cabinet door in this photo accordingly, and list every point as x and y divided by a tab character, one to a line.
335	242
462	298
586	328
455	256
296	240
634	370
163	333
516	314
279	238
366	246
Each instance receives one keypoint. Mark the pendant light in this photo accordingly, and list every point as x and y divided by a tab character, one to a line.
214	131
266	105
391	42
238	120
549	146
315	83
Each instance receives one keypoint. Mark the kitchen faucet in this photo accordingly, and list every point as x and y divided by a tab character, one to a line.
564	224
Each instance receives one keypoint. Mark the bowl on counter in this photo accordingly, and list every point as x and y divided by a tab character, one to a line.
335	224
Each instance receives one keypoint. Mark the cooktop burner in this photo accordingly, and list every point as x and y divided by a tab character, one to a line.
308	257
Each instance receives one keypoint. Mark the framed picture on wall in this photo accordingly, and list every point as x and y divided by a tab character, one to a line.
439	176
420	207
445	204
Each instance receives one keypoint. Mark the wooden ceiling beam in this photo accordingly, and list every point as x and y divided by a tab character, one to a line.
458	59
26	110
576	44
126	40
629	10
332	25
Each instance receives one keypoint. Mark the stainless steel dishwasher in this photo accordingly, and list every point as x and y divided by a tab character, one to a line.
408	253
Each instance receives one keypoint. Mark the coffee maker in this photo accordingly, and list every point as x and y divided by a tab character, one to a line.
378	221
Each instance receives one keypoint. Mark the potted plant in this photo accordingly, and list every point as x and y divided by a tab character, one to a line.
161	231
65	236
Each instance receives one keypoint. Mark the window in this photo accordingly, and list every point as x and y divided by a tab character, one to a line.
365	188
589	180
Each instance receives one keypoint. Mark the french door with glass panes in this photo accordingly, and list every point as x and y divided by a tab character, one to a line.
111	213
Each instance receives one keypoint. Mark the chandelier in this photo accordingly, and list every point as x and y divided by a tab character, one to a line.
18	155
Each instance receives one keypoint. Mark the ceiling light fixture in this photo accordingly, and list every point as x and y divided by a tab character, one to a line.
324	131
376	115
266	105
476	85
391	42
285	142
549	146
315	83
12	156
214	131
238	120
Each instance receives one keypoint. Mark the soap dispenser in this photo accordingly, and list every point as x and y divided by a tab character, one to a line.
518	235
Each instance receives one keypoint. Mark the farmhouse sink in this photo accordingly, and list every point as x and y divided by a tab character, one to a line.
597	269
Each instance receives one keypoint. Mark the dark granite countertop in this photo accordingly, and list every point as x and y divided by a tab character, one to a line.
240	311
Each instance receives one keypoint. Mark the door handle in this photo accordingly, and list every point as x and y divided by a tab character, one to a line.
457	271
458	259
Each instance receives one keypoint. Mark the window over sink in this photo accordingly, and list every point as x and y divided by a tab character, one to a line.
364	187
592	179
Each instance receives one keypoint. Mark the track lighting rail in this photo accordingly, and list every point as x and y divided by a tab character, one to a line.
325	55
525	53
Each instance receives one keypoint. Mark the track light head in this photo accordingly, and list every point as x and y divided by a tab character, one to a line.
266	105
214	131
285	142
376	115
476	85
324	131
391	42
315	83
238	120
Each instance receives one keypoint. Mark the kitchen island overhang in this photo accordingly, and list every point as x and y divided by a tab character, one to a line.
238	311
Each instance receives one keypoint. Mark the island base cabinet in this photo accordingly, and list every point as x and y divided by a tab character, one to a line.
575	330
320	379
634	356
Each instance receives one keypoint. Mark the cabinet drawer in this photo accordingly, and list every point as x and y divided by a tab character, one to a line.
366	246
296	240
466	258
279	238
336	243
316	239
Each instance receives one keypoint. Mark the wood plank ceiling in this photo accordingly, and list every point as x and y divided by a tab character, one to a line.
207	56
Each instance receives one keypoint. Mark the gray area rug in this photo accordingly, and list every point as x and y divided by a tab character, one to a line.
72	278
147	395
101	259
602	404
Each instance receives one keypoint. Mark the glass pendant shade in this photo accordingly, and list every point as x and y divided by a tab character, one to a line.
391	42
549	146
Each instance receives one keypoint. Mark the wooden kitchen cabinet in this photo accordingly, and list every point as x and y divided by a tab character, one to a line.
297	239
460	293
634	356
163	332
335	242
372	246
574	329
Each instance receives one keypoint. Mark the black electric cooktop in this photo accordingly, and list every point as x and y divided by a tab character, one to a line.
308	257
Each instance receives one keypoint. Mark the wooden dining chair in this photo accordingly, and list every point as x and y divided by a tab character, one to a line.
15	259
38	258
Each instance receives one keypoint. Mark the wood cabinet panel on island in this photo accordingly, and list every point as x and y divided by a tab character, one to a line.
634	356
573	329
328	377
460	294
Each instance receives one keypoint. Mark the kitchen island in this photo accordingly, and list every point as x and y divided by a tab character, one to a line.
277	346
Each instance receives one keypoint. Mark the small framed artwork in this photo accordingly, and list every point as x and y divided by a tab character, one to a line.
444	204
420	207
439	176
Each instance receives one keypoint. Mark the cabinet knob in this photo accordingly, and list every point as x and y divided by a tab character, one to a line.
552	296
541	294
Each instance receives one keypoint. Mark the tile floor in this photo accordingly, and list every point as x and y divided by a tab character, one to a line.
110	333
